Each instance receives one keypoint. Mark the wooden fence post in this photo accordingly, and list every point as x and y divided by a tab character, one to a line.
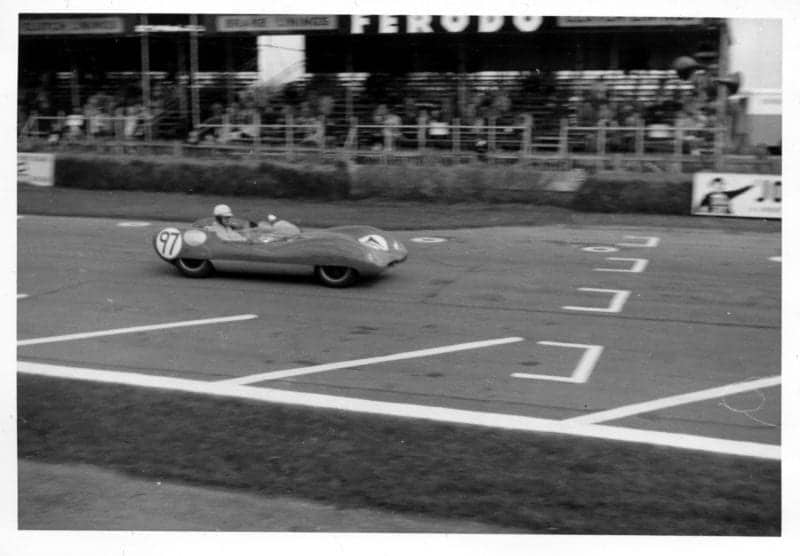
563	138
601	147
527	135
289	136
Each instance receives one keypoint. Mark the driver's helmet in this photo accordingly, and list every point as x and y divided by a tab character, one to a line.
222	210
271	218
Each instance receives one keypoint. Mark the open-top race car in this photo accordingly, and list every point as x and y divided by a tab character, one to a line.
339	255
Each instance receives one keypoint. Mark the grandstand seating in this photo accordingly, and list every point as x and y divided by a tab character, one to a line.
547	100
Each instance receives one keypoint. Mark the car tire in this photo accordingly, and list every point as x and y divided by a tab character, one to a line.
195	268
336	276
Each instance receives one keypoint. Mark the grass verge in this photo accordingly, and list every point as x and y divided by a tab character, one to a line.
542	483
390	215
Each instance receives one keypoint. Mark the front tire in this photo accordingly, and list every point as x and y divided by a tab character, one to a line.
336	276
195	268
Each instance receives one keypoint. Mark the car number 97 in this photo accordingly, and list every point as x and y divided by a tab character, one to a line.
168	243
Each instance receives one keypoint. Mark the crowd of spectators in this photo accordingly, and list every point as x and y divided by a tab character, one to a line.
121	115
694	111
407	120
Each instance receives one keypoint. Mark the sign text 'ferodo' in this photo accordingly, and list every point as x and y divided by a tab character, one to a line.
386	24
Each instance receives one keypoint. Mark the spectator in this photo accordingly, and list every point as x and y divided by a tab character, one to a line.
376	133
211	129
409	120
74	124
48	121
248	119
438	130
93	112
310	128
391	130
686	124
131	121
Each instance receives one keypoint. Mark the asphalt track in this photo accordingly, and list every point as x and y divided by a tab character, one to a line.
701	311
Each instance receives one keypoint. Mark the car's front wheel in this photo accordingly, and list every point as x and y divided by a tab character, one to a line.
195	268
336	276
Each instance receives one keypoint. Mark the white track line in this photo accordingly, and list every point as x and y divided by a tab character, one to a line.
133	224
22	295
133	329
600	249
649	241
581	373
615	305
638	265
671	401
439	414
775	259
275	375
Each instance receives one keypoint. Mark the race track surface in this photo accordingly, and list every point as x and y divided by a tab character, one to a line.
642	315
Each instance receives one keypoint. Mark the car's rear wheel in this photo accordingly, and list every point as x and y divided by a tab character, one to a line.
195	268
336	276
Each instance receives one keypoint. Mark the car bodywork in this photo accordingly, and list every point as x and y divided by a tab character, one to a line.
346	252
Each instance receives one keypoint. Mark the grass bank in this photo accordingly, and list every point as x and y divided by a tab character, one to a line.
540	483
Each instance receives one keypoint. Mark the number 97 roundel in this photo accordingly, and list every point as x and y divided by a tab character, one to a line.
168	243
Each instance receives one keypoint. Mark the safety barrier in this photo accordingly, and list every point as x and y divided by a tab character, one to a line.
638	148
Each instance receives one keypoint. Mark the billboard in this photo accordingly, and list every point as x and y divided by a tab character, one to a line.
71	26
592	21
35	168
275	23
744	195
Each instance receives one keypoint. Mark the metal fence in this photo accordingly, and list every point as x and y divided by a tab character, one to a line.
642	148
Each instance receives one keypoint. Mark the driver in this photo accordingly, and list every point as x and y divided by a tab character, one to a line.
223	225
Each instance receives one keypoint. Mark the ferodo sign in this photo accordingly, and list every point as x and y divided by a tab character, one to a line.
410	24
748	195
35	168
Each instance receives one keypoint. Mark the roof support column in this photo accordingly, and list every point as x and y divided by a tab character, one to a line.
144	40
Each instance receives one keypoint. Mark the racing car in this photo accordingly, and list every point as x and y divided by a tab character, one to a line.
339	255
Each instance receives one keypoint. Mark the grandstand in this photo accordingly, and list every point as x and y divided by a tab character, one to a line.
531	85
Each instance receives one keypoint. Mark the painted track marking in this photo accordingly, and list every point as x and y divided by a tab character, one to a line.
133	329
133	224
615	305
638	265
600	249
275	375
671	401
438	414
581	373
650	241
428	239
22	295
775	259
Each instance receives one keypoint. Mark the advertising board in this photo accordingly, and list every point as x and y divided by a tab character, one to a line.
35	168
743	195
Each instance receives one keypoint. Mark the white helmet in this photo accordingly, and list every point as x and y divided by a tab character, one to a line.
271	218
222	210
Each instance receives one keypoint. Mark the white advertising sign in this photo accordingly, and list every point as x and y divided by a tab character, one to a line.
266	23
35	168
594	21
744	195
71	26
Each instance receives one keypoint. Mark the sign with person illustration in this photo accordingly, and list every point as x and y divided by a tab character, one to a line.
744	195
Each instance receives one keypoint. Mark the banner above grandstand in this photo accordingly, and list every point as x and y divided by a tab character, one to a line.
413	24
581	21
71	26
275	23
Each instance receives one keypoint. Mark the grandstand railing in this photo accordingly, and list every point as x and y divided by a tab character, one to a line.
649	148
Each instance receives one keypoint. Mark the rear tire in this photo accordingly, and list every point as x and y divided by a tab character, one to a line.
195	268
336	276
